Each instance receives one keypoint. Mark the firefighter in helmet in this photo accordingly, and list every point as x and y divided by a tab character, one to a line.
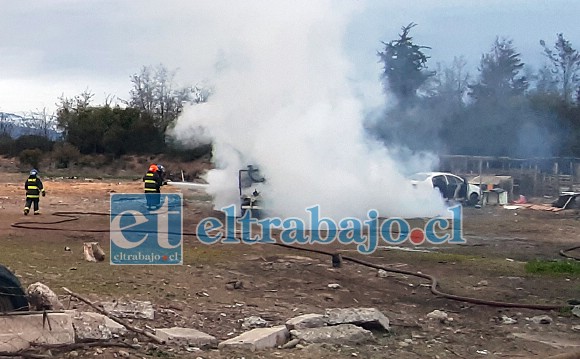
34	189
153	184
161	172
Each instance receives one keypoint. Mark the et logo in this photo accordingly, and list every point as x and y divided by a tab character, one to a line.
142	236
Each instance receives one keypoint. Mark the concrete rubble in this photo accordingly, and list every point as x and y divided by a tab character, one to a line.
11	344
133	309
507	320
438	314
306	321
368	318
187	337
340	326
254	322
20	331
343	334
257	339
576	310
541	319
94	326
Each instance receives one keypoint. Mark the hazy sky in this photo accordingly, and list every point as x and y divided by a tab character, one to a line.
55	47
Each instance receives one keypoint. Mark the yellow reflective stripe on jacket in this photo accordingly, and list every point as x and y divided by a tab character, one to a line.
32	188
151	185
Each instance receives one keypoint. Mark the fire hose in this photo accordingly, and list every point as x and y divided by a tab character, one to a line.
73	216
564	253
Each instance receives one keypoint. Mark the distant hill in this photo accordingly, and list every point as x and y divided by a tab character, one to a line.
17	125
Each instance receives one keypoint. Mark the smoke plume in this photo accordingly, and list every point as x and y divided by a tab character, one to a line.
284	99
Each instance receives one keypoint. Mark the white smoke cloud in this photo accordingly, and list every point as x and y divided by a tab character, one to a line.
284	100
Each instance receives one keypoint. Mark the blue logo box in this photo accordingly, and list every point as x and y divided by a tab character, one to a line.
146	229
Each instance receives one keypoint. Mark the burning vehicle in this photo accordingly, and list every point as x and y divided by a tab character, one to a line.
250	184
451	187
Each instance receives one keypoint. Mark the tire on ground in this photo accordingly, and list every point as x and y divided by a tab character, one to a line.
12	296
473	199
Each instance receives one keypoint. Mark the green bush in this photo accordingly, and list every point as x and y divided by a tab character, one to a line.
64	154
30	142
189	154
30	157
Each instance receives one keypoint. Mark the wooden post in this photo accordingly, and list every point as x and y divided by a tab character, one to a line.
571	189
535	183
557	173
577	174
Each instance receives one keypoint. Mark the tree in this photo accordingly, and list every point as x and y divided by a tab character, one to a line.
69	109
107	130
565	62
155	94
546	83
451	84
499	73
445	108
404	65
44	122
5	126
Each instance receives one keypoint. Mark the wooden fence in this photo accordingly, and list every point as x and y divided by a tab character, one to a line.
531	176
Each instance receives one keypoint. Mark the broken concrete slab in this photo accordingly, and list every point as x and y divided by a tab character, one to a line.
133	309
437	314
558	341
542	319
115	327
17	330
368	318
9	343
306	321
187	337
342	334
254	322
257	339
576	310
94	326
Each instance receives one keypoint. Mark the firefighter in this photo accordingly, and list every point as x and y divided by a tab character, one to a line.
34	189
153	184
162	173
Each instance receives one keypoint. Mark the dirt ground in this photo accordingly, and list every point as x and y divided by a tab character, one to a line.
280	283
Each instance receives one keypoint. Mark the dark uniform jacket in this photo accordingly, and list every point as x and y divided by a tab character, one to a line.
153	182
33	187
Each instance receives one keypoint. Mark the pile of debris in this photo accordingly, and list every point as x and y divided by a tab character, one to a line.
48	325
566	200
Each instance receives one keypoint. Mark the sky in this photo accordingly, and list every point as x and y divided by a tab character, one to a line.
52	48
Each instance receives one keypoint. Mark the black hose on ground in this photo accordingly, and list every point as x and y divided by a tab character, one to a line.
73	216
564	252
435	284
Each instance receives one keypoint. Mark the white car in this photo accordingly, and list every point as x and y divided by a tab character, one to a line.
452	187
